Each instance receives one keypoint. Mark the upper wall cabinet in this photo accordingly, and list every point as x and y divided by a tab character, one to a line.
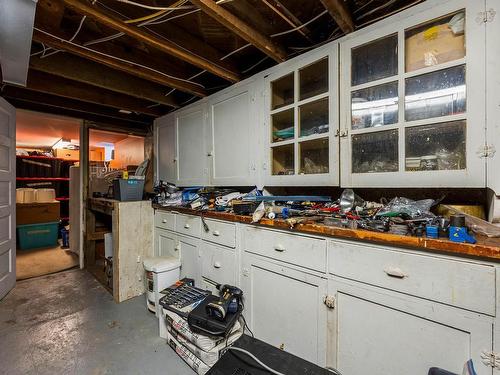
233	144
166	157
412	100
492	153
191	150
301	121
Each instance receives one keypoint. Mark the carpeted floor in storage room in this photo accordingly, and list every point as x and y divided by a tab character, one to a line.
38	262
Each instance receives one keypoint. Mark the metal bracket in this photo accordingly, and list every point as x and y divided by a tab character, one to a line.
487	16
491	359
486	151
329	301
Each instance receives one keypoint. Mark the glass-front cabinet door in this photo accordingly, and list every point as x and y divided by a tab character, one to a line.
412	99
301	121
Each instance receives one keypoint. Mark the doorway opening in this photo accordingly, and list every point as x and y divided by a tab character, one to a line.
47	193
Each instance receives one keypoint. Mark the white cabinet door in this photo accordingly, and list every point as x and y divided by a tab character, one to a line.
381	332
166	166
166	244
400	126
233	137
7	197
190	264
493	97
192	164
284	307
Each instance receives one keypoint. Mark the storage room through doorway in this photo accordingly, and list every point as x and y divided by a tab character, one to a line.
47	193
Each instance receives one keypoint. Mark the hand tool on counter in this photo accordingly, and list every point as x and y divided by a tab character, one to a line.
303	220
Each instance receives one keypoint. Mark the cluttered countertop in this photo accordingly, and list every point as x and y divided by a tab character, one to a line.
399	222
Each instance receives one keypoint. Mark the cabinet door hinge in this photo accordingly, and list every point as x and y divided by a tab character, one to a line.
329	301
486	16
486	151
490	358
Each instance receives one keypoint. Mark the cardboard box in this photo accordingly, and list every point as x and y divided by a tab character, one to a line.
37	213
432	46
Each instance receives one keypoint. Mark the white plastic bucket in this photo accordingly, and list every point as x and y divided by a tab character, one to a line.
161	272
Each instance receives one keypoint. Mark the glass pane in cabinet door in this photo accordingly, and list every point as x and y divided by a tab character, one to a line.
313	156
282	92
314	79
375	152
374	60
313	118
282	125
435	42
436	94
375	106
436	146
283	160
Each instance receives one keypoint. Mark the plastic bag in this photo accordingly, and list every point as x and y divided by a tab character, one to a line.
401	206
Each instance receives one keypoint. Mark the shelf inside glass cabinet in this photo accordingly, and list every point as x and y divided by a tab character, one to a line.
283	160
313	118
313	79
375	152
436	146
283	127
282	91
313	156
375	106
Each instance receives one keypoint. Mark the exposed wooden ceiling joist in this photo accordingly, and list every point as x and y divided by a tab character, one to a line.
241	29
219	68
63	65
78	108
289	17
130	68
51	84
340	13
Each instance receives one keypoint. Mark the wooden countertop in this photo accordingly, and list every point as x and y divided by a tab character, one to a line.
485	248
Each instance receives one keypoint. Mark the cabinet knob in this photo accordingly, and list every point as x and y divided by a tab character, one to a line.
217	265
176	248
164	221
394	272
187	226
279	248
216	233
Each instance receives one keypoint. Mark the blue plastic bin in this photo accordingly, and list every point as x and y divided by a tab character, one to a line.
31	236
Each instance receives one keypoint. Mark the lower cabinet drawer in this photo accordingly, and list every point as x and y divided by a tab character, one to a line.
218	263
220	232
457	283
164	220
188	224
301	250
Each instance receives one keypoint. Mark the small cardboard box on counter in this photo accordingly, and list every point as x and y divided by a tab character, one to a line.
37	213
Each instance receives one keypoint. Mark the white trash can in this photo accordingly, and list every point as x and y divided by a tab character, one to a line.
161	272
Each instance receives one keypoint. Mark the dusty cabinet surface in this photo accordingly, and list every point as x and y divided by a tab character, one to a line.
381	332
166	157
166	244
232	117
190	264
285	307
191	151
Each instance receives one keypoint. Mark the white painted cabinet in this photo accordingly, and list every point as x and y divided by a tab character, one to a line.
165	141
190	262
191	132
300	115
284	307
166	244
378	332
412	99
492	16
233	142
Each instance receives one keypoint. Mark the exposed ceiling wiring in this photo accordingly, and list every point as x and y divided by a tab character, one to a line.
145	18
118	58
153	7
157	22
301	26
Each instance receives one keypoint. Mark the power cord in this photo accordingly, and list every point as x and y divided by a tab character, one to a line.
262	364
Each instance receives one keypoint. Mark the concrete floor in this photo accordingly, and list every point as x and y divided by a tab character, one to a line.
67	323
